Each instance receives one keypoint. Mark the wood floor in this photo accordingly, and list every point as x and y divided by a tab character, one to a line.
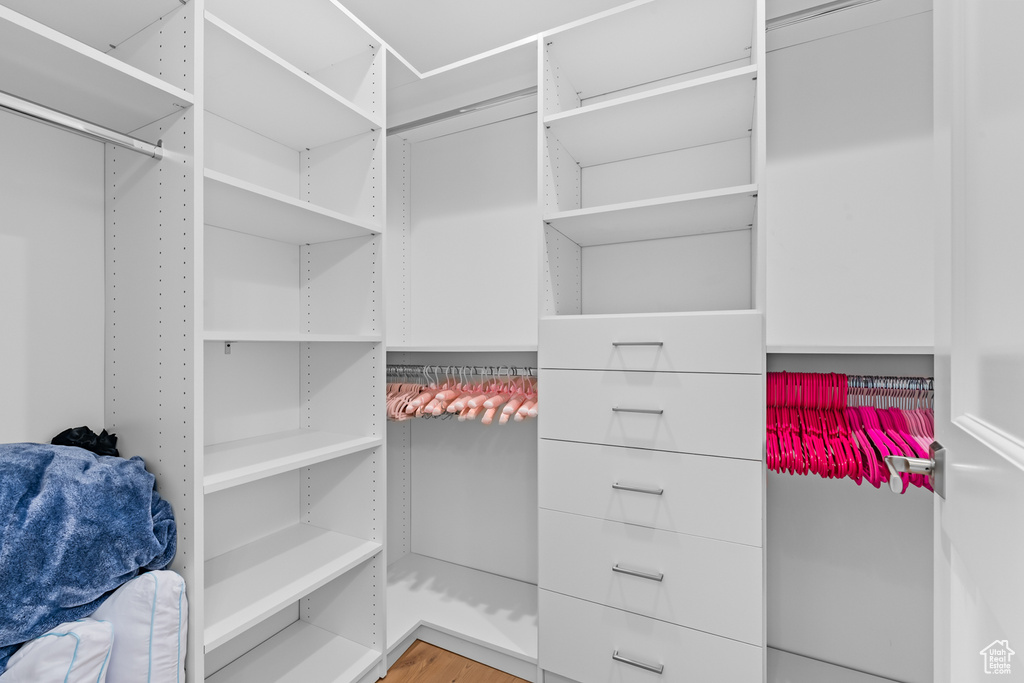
423	663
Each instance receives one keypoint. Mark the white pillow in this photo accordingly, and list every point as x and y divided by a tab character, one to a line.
150	619
75	652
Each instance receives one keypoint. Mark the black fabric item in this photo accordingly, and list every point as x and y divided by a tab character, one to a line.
83	437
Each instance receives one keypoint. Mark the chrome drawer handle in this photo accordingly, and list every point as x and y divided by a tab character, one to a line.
639	574
638	343
645	411
656	668
638	489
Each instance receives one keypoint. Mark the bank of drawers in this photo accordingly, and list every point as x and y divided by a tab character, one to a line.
651	488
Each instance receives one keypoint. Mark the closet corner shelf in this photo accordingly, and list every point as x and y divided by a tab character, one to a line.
304	337
244	207
302	652
697	112
253	87
696	213
47	67
248	584
482	608
233	463
470	348
852	350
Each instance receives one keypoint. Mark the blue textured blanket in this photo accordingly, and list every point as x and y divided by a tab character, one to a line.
73	527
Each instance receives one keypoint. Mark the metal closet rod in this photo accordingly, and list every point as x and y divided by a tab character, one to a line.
495	370
813	13
52	117
468	109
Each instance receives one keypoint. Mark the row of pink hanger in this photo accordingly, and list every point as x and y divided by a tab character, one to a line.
462	393
814	429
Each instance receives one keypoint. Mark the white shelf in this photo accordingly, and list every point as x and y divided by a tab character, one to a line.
253	87
697	213
239	462
482	608
697	112
302	337
40	64
652	42
785	667
244	207
248	584
302	653
326	36
854	350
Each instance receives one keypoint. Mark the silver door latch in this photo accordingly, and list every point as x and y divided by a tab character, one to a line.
934	467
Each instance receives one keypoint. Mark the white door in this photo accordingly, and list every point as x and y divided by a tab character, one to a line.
979	361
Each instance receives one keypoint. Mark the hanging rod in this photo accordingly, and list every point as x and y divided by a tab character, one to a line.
813	13
461	111
52	117
495	370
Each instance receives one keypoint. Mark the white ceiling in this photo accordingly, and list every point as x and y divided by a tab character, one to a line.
435	33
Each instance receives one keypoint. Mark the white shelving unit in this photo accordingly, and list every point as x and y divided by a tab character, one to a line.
293	344
658	150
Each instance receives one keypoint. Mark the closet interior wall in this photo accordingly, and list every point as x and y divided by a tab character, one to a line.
850	289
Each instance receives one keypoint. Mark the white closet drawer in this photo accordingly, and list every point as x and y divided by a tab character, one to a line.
704	496
712	586
701	414
578	640
728	341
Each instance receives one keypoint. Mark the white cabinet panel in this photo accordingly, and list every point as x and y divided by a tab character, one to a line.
713	586
707	342
579	639
699	413
711	497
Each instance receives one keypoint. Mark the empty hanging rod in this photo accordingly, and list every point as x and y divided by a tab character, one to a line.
52	117
468	109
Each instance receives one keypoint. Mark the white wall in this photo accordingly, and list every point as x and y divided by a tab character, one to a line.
850	248
473	241
51	281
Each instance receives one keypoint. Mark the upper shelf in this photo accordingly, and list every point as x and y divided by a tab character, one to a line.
651	42
97	23
696	213
244	207
696	112
326	36
255	88
45	66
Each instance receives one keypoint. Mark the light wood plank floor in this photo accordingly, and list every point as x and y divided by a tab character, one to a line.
424	663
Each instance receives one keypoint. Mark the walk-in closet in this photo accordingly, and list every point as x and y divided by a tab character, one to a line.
595	341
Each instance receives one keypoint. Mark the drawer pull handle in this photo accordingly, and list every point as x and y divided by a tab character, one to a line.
656	668
639	574
645	411
638	489
638	343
